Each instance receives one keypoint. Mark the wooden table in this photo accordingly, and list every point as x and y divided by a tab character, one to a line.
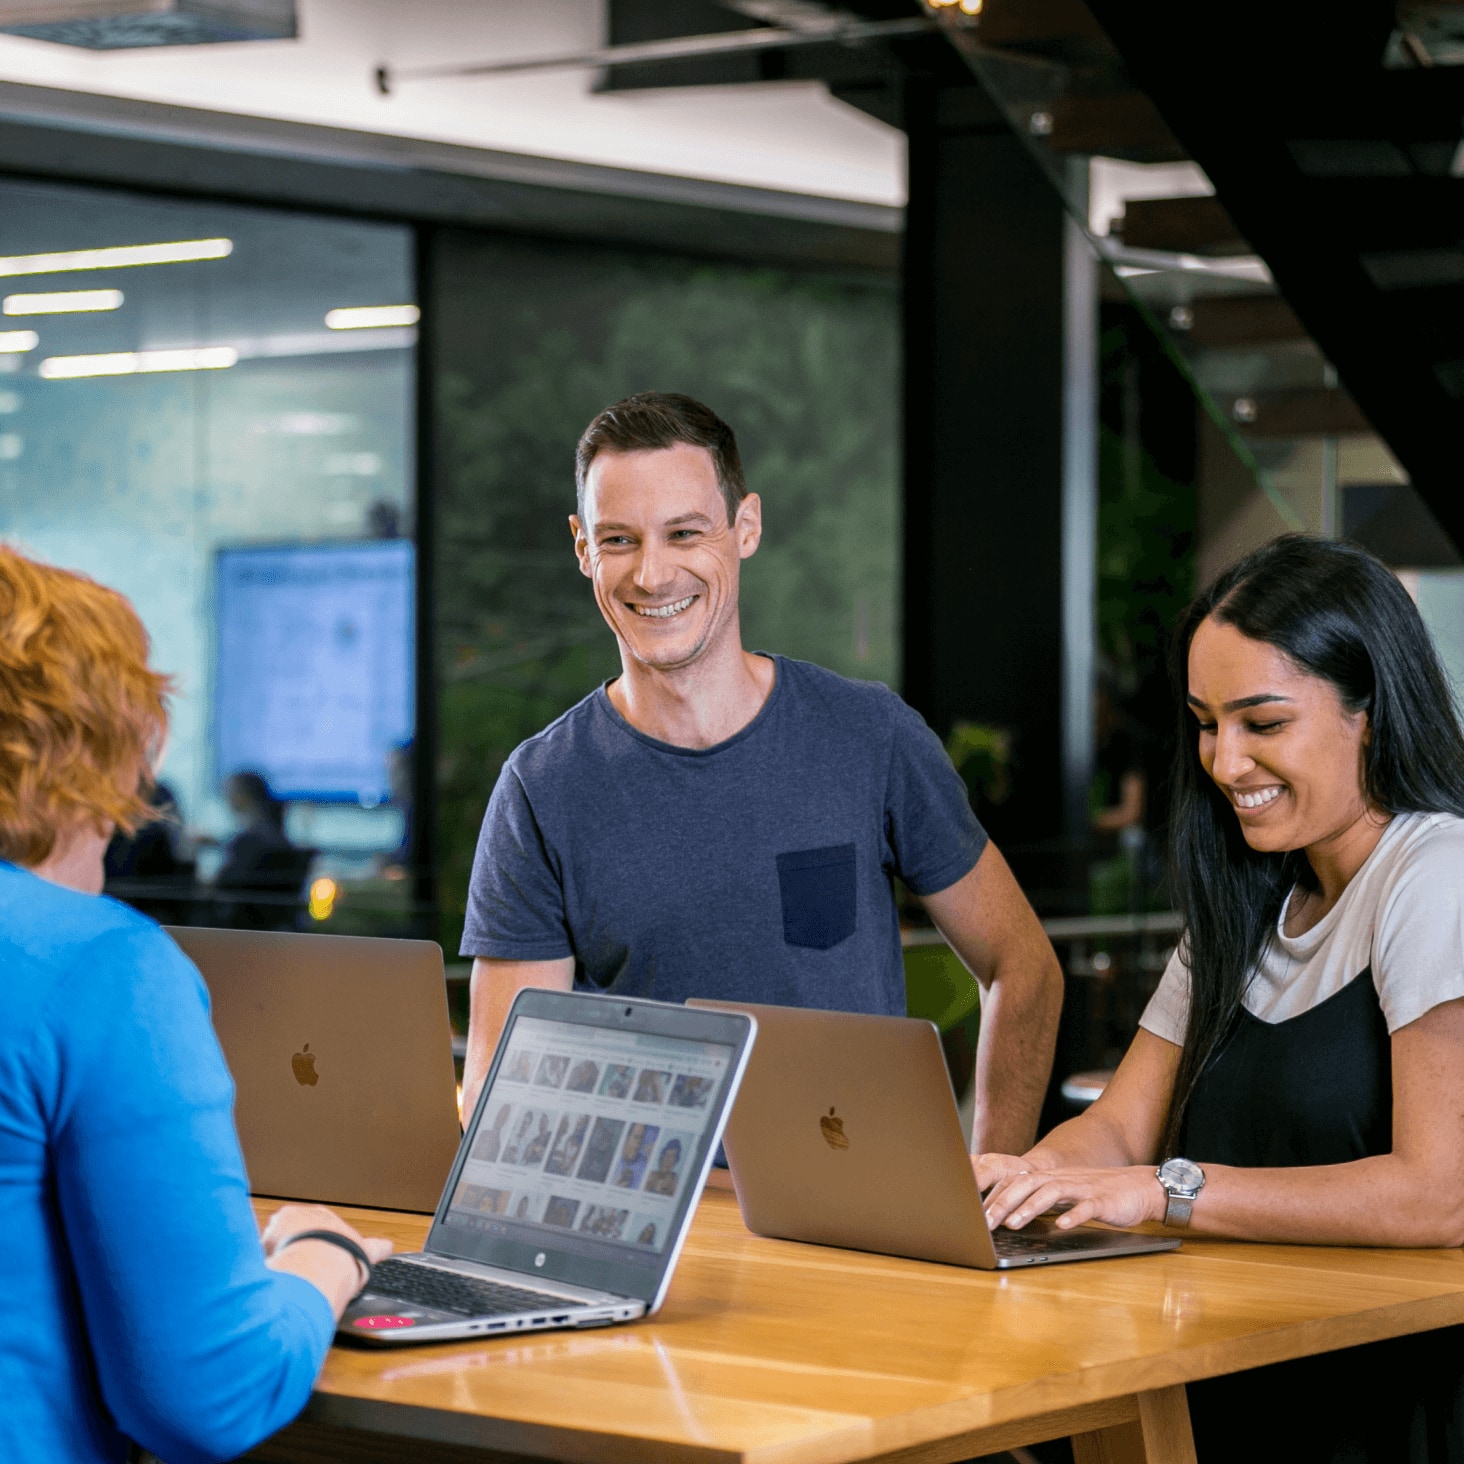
768	1352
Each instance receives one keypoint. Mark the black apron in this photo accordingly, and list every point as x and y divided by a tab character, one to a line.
1317	1089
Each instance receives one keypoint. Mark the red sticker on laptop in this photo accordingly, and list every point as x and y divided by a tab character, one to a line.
379	1324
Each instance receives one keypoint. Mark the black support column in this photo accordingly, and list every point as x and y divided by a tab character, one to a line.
1000	470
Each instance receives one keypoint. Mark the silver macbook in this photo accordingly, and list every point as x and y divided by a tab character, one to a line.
341	1052
846	1133
577	1177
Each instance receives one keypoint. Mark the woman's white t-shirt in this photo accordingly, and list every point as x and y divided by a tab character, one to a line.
1402	914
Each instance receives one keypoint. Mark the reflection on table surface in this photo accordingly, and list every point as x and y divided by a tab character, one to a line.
773	1349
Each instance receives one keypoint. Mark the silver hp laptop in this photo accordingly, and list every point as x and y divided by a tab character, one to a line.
577	1177
341	1052
846	1133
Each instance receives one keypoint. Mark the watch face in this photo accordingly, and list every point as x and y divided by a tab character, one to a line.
1182	1174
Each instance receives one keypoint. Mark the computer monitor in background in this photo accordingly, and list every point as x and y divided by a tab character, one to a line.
314	666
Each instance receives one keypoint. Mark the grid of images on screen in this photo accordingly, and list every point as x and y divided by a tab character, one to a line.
582	1143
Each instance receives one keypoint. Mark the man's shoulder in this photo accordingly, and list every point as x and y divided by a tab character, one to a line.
566	743
818	691
809	679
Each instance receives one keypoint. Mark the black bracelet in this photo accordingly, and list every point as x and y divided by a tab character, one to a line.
334	1237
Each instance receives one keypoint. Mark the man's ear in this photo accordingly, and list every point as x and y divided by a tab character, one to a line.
581	545
747	526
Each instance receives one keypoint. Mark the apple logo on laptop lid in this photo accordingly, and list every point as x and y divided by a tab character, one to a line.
833	1131
303	1066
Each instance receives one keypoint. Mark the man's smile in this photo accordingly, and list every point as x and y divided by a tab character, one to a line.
662	612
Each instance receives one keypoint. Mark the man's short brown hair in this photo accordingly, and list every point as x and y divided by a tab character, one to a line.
650	420
81	711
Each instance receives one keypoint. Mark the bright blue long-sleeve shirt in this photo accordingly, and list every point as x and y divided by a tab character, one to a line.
134	1298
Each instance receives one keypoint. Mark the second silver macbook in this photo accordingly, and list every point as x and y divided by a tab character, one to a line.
845	1132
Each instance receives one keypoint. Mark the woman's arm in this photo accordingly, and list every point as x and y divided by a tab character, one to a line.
1122	1127
333	1271
200	1349
1413	1196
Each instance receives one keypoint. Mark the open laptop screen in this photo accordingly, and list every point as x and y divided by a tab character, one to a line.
589	1141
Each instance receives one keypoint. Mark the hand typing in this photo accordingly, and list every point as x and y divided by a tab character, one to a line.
1123	1197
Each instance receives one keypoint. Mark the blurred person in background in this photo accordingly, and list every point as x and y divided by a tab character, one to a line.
260	858
400	768
1124	804
152	867
140	1302
1121	767
154	849
261	832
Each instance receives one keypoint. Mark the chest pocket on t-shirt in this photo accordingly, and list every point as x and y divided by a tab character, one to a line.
817	886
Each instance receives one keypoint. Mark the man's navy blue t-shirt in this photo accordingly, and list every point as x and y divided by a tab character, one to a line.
756	870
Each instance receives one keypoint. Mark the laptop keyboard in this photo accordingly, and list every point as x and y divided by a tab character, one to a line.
1026	1243
450	1292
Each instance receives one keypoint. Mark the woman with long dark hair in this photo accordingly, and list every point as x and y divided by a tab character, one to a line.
1299	1074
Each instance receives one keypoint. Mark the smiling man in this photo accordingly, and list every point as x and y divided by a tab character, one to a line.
721	823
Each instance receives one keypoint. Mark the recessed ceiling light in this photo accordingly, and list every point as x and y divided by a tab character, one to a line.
369	317
122	256
112	25
130	363
13	342
61	302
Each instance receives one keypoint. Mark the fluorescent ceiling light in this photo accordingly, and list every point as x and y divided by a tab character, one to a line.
370	317
63	302
12	342
129	363
123	256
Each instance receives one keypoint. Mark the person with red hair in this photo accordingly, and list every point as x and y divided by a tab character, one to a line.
141	1305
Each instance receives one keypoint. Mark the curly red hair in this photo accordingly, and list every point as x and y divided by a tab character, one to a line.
81	711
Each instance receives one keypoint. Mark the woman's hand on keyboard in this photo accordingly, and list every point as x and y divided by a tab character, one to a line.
328	1268
992	1169
1121	1196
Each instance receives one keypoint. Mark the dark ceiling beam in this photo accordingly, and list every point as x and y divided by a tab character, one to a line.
857	71
1118	125
1237	99
1181	226
1037	23
1292	414
1239	322
1395	523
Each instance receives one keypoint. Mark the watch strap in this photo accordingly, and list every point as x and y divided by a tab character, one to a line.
1178	1208
334	1237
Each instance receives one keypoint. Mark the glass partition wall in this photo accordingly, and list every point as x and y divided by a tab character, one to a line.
1284	446
1280	444
210	409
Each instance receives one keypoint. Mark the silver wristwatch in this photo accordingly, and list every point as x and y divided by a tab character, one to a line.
1182	1179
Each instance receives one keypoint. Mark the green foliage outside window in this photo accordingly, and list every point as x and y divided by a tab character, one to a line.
982	755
